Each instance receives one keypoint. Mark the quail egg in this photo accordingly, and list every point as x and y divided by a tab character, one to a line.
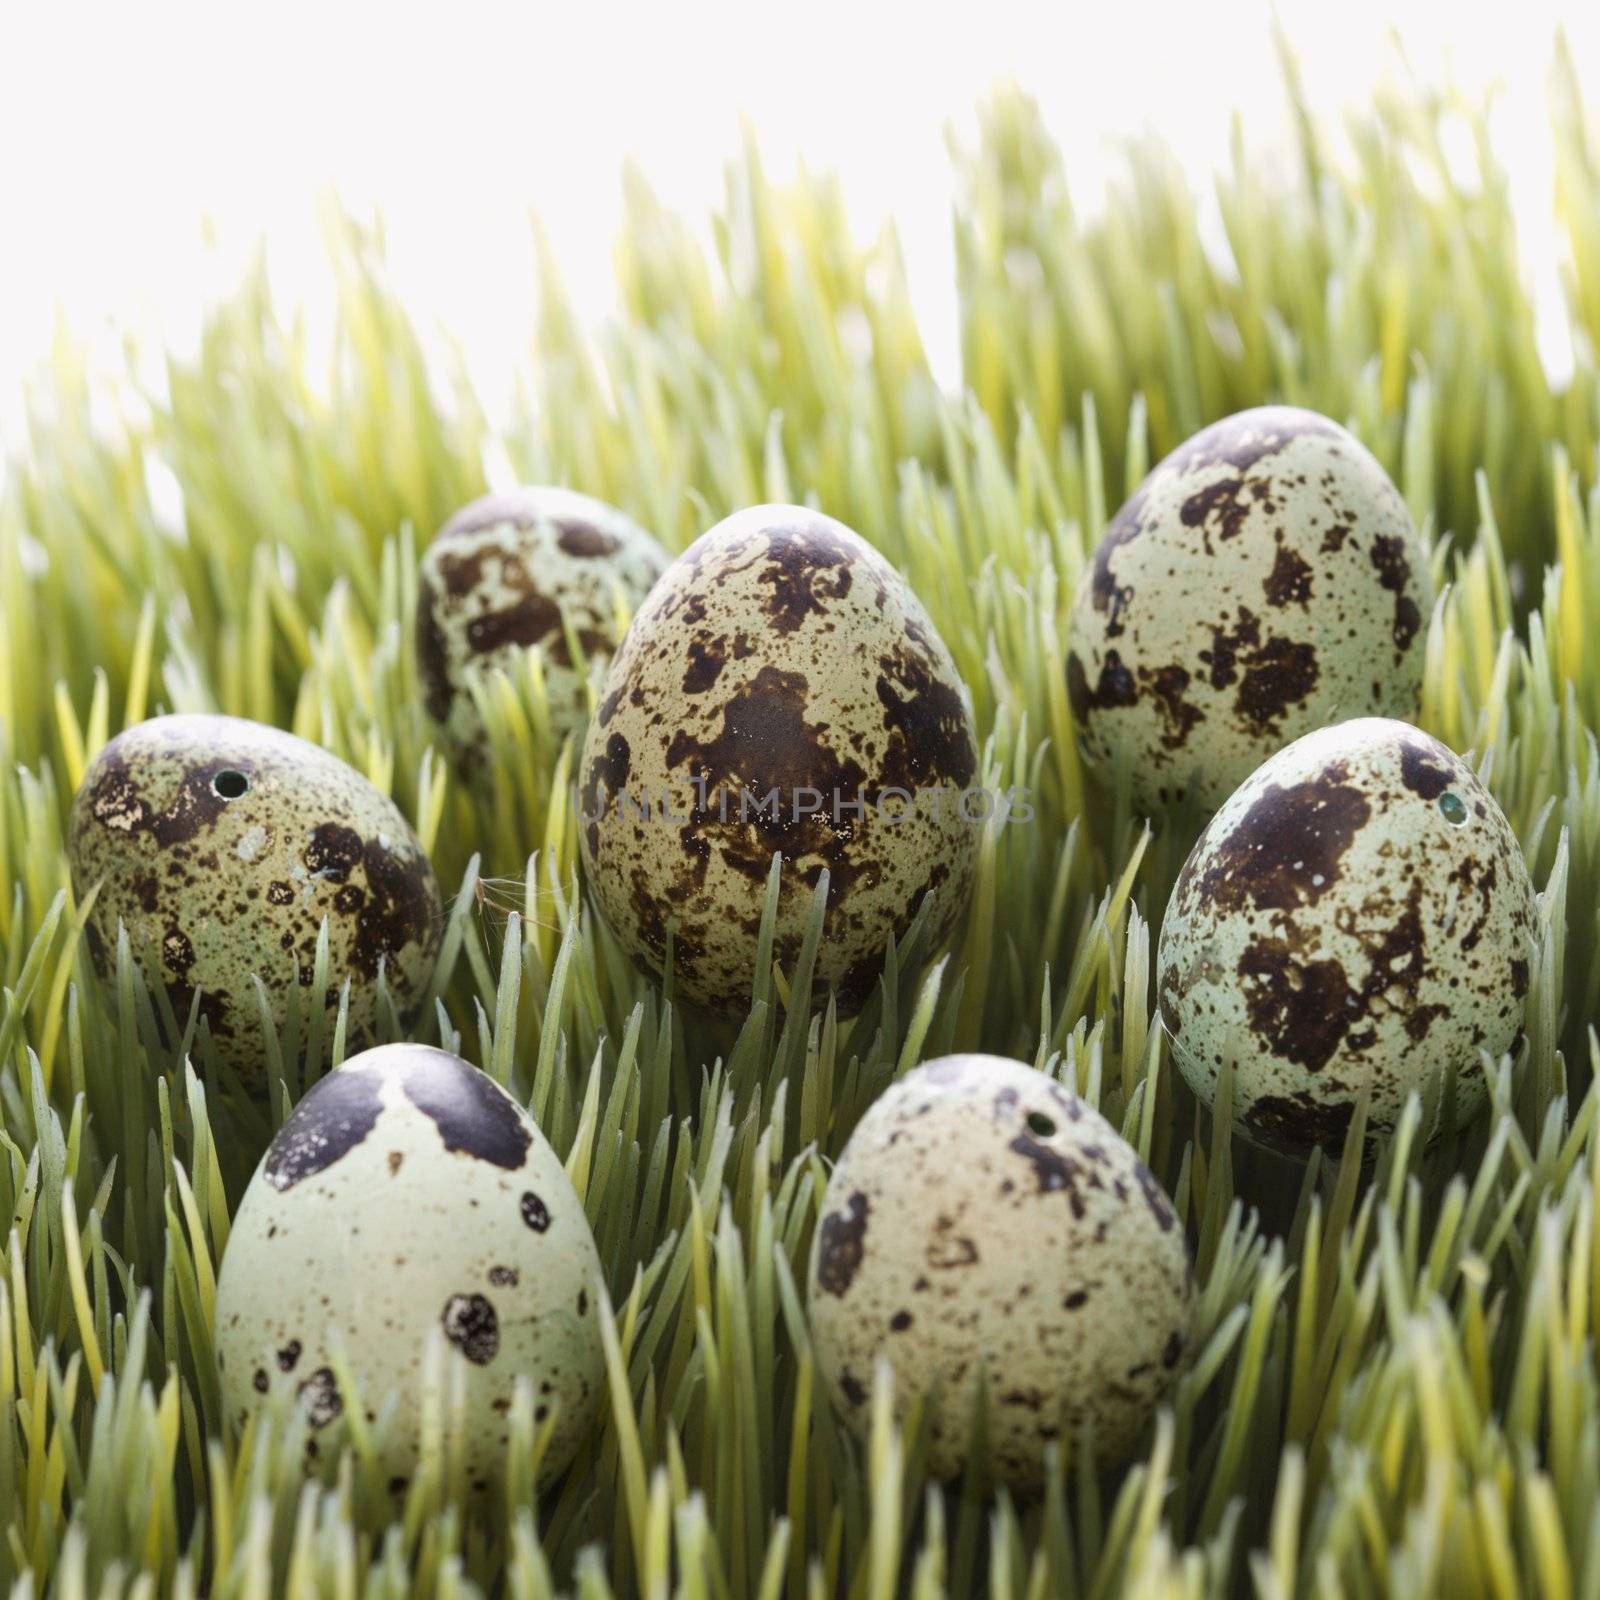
984	1224
222	846
1357	916
407	1192
518	569
1263	581
781	690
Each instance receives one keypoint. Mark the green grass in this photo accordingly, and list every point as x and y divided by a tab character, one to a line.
1396	1388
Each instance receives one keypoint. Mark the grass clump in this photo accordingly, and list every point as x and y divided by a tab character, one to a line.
1396	1386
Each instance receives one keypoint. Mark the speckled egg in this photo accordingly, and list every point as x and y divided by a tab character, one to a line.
1265	580
222	845
1357	916
985	1223
781	690
534	566
408	1193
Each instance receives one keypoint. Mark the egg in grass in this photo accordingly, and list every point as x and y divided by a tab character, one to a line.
985	1226
781	692
1358	918
1264	579
408	1197
222	847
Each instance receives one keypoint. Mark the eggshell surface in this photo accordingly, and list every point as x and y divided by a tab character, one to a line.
531	566
1264	580
781	690
1358	916
408	1195
984	1224
221	845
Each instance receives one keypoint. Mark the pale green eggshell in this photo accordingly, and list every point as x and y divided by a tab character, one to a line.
983	1222
408	1194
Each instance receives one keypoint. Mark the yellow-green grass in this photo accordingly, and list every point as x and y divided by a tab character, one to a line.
1396	1386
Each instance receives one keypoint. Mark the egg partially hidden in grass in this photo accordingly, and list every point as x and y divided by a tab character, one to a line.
1264	580
533	566
781	690
408	1195
986	1226
1358	917
222	846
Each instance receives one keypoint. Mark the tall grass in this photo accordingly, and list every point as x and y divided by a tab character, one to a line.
1396	1388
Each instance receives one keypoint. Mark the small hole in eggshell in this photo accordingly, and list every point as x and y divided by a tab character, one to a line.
1453	808
230	785
1040	1124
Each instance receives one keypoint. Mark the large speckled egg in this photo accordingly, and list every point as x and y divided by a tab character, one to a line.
984	1224
781	691
406	1195
222	846
1265	580
534	566
1357	916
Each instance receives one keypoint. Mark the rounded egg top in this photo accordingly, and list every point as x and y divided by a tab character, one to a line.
221	846
1264	580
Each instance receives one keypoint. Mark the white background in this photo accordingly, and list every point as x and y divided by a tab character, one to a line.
122	129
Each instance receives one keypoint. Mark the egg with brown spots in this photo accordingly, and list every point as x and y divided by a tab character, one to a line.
409	1202
984	1224
1264	580
782	691
1358	916
222	847
534	566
